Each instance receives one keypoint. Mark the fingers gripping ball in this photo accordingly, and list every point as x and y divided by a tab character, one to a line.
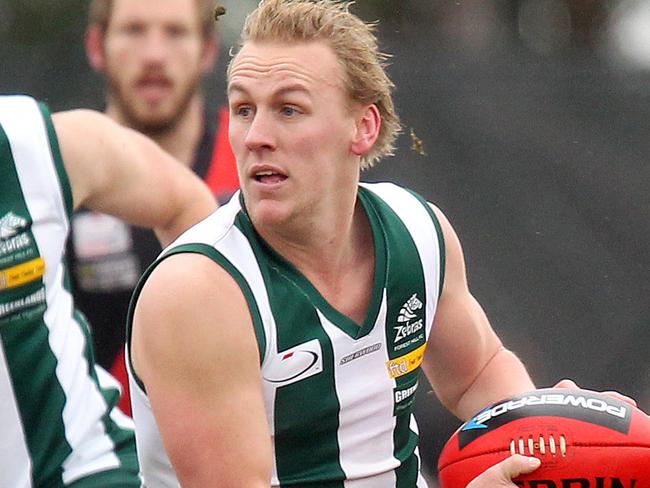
584	439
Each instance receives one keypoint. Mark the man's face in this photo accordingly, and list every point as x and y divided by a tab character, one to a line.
154	61
291	129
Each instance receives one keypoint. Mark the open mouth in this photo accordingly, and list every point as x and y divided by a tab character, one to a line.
269	177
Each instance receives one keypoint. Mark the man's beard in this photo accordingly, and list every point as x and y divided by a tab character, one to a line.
152	125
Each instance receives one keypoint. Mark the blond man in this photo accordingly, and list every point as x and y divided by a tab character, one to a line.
294	322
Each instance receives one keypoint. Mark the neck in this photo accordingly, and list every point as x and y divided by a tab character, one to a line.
326	248
181	139
340	265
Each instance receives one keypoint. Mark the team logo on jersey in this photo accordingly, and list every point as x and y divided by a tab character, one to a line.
407	312
13	236
11	225
409	329
295	364
405	364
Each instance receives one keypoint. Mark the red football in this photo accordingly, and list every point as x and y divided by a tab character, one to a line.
585	439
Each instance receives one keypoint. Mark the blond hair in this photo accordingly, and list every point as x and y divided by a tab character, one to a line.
354	44
100	11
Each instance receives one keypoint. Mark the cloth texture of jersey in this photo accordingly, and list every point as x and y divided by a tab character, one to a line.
338	395
58	424
107	256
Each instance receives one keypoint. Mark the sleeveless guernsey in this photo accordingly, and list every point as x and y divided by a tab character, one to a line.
338	396
56	424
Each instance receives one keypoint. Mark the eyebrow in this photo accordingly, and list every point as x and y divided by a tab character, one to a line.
235	87
292	88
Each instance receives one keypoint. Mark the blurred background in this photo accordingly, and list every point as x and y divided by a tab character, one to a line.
526	121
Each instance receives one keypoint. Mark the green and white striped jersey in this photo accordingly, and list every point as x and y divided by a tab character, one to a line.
55	425
338	395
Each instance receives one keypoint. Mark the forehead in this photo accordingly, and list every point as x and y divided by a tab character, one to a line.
312	64
182	11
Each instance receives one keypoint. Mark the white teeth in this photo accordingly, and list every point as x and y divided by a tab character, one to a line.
264	173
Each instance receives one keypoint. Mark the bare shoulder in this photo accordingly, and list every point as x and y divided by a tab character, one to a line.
82	134
195	350
446	226
189	310
72	125
76	117
188	283
186	268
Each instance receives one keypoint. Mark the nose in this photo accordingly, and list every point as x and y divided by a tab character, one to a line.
155	47
259	134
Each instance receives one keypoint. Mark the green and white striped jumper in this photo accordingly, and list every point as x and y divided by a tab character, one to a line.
55	424
338	396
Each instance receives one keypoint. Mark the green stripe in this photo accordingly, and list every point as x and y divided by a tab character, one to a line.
66	189
308	409
31	363
405	279
123	439
441	238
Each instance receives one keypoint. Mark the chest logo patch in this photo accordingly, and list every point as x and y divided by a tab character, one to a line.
11	225
405	364
409	330
21	274
295	364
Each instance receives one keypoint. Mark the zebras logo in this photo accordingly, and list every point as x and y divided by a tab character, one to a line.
406	314
11	224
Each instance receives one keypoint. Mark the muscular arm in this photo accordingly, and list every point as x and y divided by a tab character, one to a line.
118	171
466	363
194	347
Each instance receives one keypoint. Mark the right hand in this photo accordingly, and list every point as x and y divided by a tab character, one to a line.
501	474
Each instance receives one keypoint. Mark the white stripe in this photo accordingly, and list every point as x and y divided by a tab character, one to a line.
85	405
366	428
15	463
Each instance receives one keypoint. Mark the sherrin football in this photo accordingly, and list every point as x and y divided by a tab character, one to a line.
584	439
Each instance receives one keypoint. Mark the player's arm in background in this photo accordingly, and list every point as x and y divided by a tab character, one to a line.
465	361
194	347
501	474
116	170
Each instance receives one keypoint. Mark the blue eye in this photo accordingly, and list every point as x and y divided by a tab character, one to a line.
289	111
244	111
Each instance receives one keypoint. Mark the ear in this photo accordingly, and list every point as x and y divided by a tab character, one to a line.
95	48
367	130
209	57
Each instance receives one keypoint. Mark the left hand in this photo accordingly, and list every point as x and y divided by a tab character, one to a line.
567	383
501	474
